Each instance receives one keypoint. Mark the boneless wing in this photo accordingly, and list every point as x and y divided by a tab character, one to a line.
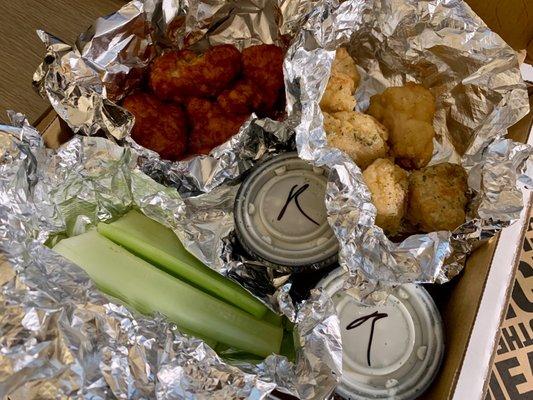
388	185
343	81
242	98
158	126
345	64
359	135
211	125
179	75
263	68
407	111
437	197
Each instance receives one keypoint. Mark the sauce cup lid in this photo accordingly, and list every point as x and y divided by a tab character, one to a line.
392	350
280	214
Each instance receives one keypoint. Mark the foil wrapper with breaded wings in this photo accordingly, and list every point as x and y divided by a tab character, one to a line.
391	144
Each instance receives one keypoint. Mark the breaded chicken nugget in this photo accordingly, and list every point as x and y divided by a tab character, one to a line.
388	185
338	95
407	111
263	68
182	74
263	64
411	142
245	97
242	98
158	126
211	126
437	197
342	83
345	64
360	136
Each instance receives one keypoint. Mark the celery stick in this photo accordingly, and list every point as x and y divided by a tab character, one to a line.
159	246
273	318
149	289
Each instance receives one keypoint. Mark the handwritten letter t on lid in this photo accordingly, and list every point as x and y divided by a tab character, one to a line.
390	351
280	214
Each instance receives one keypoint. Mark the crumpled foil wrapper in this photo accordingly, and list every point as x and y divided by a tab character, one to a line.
62	338
479	93
473	74
83	82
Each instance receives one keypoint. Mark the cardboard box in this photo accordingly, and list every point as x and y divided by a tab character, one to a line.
472	305
512	376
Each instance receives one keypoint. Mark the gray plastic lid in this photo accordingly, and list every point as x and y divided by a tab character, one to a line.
280	214
390	351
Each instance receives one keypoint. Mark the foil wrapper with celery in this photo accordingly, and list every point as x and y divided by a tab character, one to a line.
63	334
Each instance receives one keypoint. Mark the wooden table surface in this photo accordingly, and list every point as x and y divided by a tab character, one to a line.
21	50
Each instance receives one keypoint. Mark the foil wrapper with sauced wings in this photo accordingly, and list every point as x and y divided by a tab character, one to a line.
62	335
187	85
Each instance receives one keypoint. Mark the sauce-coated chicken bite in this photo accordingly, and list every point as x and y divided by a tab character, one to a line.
179	75
437	197
388	185
359	135
263	67
159	126
211	125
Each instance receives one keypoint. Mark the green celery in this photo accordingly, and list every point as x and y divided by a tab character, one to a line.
273	318
148	289
159	246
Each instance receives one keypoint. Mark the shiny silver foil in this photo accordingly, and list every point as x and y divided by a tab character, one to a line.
60	336
84	82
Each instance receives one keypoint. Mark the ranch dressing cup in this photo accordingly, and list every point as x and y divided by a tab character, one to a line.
280	215
390	351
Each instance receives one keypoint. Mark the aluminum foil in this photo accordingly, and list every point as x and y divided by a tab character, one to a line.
62	338
84	81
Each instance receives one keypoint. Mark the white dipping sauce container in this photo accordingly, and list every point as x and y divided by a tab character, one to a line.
280	215
390	351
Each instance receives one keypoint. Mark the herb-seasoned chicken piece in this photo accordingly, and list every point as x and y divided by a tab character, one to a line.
407	111
437	197
343	81
388	185
359	135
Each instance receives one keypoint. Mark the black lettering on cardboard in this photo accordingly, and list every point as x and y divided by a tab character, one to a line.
511	381
530	358
527	245
512	338
525	269
502	347
521	299
495	388
528	341
510	312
